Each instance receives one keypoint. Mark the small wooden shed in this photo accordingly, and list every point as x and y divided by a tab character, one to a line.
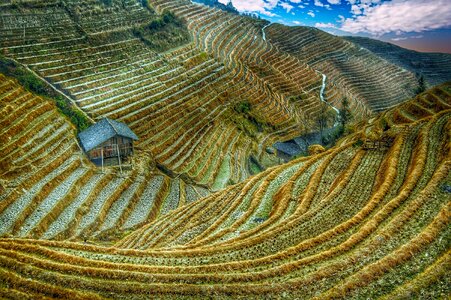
108	142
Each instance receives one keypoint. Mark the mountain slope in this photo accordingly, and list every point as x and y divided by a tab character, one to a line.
366	79
435	67
184	103
49	190
179	102
346	223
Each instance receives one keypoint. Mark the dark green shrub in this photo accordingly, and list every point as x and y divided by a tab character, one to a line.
359	143
75	116
156	24
421	84
345	112
243	107
163	33
168	17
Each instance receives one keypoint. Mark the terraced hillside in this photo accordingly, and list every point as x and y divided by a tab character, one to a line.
435	67
184	102
49	190
181	103
350	69
349	222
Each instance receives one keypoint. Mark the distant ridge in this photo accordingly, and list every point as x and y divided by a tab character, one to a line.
435	67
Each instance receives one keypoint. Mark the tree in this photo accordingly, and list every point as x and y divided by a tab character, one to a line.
321	120
421	85
243	107
345	112
231	8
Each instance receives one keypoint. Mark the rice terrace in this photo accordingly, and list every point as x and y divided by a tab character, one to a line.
175	149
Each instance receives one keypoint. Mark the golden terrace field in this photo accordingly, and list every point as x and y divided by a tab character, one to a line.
62	195
208	210
345	223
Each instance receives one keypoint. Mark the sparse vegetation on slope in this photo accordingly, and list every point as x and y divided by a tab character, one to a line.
215	3
163	33
368	81
434	67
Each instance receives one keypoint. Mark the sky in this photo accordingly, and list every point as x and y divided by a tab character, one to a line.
421	25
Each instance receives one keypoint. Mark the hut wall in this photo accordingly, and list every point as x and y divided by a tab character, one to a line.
110	148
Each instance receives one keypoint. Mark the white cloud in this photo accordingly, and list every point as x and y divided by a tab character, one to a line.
286	6
297	23
356	10
407	37
325	25
334	1
321	4
399	39
359	7
401	16
311	14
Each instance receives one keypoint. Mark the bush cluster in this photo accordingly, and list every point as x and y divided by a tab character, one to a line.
243	107
163	33
107	2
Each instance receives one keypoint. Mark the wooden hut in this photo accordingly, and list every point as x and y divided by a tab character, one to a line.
382	144
108	142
